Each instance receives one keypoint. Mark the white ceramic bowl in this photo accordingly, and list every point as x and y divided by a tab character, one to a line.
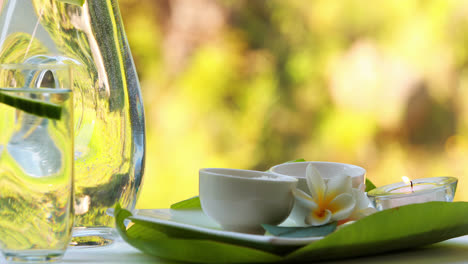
242	200
326	169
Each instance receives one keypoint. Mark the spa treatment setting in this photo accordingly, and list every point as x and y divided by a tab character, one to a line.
236	132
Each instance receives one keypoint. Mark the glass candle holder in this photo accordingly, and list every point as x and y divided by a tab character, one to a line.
418	191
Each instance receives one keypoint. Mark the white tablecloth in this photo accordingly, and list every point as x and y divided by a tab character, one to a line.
450	251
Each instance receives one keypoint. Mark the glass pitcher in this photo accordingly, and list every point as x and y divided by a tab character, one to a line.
109	118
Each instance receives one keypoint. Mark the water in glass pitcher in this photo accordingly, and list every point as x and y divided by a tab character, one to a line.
109	118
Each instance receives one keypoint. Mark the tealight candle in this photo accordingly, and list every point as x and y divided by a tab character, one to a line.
416	191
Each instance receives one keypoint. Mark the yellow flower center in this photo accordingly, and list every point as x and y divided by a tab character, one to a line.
319	213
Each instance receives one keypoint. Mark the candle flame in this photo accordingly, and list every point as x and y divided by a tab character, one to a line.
406	180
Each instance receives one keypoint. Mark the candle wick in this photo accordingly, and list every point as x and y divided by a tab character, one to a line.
411	182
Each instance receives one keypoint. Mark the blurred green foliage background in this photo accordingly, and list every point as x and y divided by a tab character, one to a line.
250	84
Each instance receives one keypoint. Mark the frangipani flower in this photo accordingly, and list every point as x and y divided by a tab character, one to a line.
362	208
335	200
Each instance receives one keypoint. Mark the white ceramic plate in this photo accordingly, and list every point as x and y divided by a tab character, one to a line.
197	221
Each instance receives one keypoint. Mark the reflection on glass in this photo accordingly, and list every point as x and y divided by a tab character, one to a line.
109	120
36	162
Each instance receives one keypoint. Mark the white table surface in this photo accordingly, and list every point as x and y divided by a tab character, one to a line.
450	251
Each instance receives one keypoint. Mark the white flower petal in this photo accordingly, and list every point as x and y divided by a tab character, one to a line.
362	201
315	182
318	218
339	184
342	206
368	211
305	200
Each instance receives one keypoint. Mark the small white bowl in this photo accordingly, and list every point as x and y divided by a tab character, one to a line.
242	200
326	169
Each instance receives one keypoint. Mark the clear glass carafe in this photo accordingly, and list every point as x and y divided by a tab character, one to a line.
109	118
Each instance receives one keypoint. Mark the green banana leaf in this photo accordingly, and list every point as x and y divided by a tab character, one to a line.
390	230
369	185
158	244
190	203
398	228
